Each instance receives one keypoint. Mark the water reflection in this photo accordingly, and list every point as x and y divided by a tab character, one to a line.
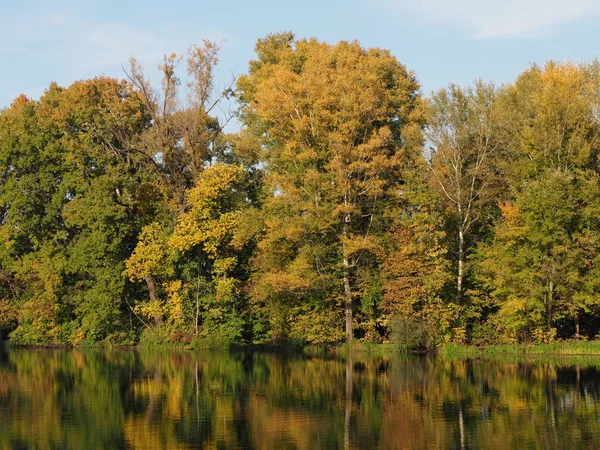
178	400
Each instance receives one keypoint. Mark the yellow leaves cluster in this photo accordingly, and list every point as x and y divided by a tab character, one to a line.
210	222
174	304
152	310
285	282
331	98
225	289
354	244
544	334
224	265
512	229
317	326
159	311
8	313
212	184
209	232
510	211
150	254
6	237
207	222
559	103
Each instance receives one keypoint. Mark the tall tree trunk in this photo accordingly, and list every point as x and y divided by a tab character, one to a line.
347	290
348	300
151	287
197	314
461	266
549	320
197	302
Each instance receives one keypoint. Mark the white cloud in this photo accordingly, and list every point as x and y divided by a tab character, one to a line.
84	46
497	18
64	46
103	45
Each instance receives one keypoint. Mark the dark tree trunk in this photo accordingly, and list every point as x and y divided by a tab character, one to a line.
151	287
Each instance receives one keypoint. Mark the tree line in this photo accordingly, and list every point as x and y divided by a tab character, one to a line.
348	206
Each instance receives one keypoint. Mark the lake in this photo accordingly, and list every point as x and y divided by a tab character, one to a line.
141	399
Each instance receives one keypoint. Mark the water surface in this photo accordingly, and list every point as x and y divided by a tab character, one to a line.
117	399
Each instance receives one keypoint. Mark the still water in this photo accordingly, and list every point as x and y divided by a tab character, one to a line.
90	399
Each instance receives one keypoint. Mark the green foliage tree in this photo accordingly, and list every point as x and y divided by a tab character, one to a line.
541	265
463	146
70	198
543	261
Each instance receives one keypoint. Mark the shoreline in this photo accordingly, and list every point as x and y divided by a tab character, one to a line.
561	348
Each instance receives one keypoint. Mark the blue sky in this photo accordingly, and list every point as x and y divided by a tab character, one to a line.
441	40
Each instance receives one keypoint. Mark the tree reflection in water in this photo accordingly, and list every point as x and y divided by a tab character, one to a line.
149	399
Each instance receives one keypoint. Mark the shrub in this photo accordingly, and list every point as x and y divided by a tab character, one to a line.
410	333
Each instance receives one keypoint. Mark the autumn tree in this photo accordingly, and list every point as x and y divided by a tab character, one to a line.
186	133
200	263
548	120
416	272
462	146
338	124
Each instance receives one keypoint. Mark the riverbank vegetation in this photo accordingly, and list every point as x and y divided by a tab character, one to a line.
349	205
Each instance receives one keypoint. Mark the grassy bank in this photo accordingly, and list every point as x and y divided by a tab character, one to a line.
555	348
365	350
362	349
358	349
